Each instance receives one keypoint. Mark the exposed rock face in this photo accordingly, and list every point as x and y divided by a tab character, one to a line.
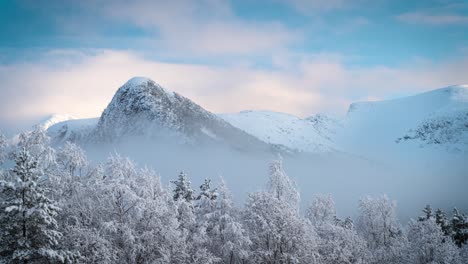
142	108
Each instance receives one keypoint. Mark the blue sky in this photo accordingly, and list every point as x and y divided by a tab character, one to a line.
296	56
371	32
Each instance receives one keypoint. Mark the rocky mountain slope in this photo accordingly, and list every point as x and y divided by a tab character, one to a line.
141	108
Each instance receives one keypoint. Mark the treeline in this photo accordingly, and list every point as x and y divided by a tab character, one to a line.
58	208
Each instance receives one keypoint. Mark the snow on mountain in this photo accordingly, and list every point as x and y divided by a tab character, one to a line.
72	130
142	108
325	125
309	135
441	129
54	119
376	127
448	125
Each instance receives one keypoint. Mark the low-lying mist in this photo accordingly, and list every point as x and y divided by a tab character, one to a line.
413	182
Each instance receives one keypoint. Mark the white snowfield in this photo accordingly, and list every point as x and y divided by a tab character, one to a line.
372	127
279	128
436	119
72	130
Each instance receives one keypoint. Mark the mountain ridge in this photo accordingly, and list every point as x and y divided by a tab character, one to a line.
142	107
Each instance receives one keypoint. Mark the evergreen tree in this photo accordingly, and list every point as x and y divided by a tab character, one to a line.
28	223
192	219
459	228
442	221
206	191
427	214
348	223
183	189
427	244
227	238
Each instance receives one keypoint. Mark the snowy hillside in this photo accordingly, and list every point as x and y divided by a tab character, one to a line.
310	135
72	130
142	108
438	116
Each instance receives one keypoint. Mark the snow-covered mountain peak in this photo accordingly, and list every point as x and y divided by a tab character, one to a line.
144	86
142	107
138	80
141	104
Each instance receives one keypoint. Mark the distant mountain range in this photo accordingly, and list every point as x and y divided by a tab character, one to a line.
143	109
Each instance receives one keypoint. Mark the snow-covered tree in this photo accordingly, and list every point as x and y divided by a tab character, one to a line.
427	244
227	238
377	224
3	146
459	227
157	234
115	212
37	142
204	208
427	213
322	210
464	252
338	244
183	188
192	218
441	220
91	245
28	223
206	191
122	214
277	232
347	223
122	203
71	162
281	186
71	158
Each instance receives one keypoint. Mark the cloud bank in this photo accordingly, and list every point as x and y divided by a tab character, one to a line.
83	82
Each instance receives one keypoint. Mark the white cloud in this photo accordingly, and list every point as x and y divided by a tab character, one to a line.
82	84
319	7
313	6
200	27
433	19
176	28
